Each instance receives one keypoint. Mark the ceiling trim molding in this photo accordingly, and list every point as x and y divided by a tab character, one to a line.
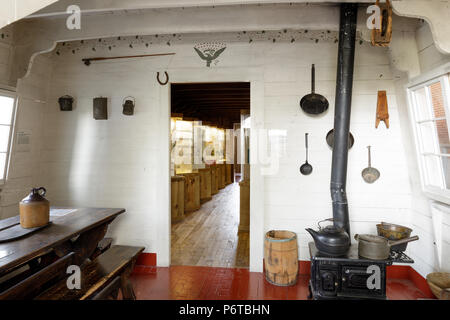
435	13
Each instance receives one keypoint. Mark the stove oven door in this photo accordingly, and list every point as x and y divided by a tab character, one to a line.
328	282
354	282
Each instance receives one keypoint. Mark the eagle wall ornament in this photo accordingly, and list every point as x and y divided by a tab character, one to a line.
209	51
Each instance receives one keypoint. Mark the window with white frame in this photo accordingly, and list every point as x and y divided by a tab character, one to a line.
431	119
7	105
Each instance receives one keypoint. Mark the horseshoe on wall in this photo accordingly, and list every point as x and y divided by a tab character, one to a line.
159	81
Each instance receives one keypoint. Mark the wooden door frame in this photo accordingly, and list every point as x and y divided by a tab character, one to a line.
255	76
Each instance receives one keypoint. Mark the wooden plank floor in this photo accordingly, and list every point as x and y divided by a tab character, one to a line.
209	236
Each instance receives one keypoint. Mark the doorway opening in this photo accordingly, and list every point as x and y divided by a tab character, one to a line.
210	175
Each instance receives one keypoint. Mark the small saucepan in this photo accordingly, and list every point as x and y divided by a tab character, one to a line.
376	247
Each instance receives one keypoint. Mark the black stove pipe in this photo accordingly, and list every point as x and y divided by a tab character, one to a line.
344	84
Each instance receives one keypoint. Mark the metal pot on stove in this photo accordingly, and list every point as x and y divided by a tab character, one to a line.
394	232
376	247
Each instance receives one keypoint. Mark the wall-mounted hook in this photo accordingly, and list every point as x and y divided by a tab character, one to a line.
159	81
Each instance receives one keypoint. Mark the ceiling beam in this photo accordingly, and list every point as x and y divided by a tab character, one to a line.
98	6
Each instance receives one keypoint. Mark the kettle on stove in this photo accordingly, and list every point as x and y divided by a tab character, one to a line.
330	240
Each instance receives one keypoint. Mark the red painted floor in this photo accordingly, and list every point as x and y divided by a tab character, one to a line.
208	283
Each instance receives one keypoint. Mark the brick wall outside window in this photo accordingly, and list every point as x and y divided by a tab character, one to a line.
439	112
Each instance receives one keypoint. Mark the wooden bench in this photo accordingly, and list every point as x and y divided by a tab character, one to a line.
18	274
102	246
110	292
29	287
100	278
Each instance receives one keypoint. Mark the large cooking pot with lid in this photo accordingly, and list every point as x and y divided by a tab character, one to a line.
377	248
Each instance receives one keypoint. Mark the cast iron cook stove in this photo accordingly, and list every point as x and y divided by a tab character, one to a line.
345	277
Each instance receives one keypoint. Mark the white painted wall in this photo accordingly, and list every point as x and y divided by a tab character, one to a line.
124	161
121	162
6	55
295	202
118	163
31	93
23	172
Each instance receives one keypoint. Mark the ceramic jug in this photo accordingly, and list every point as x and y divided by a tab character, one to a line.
34	209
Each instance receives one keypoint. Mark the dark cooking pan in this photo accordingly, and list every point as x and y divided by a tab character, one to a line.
330	139
376	247
314	103
394	232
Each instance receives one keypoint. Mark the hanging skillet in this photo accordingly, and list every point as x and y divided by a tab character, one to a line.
306	168
330	139
314	103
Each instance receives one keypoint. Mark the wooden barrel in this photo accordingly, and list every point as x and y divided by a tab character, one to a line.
214	186
205	184
191	192
177	198
281	257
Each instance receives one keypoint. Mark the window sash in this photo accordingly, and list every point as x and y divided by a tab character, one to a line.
10	94
435	154
420	119
431	120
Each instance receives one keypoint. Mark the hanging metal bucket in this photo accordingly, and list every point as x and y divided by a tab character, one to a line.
65	103
128	106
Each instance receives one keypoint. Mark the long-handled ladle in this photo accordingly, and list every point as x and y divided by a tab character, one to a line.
306	168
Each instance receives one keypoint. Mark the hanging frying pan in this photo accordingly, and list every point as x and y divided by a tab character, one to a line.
330	139
314	103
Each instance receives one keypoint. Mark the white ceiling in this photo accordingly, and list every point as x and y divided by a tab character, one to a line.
13	10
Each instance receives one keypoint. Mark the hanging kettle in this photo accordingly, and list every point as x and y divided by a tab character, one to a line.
34	209
128	106
330	240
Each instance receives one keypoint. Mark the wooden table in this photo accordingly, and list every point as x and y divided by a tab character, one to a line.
89	224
